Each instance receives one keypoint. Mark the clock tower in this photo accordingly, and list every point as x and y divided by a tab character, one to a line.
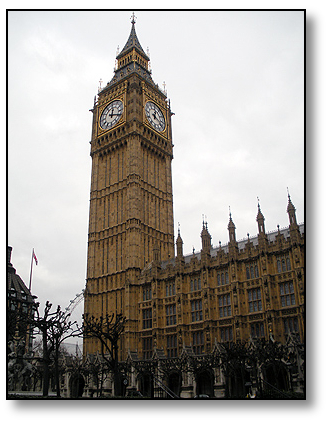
131	204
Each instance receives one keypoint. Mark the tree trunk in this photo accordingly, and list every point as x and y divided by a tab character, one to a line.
57	369
45	388
117	377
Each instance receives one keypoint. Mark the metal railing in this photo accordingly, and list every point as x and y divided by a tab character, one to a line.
167	390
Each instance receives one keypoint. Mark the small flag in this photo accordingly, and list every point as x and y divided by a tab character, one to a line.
34	257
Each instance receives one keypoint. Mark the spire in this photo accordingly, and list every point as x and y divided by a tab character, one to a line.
131	59
260	218
231	228
206	237
179	244
132	42
291	211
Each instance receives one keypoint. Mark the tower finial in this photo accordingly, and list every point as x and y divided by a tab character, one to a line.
258	202
133	18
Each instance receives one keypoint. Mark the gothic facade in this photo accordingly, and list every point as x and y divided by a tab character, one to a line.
181	310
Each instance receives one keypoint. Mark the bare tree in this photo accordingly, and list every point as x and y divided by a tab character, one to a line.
54	327
60	328
107	330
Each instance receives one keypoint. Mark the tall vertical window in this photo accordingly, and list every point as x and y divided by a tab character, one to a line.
254	300
147	348
195	284
196	310
287	294
147	293
223	278
171	345
283	264
170	289
147	321
171	318
257	330
252	271
226	334
291	325
225	305
198	342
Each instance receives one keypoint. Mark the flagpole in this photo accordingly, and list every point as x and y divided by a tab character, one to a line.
31	271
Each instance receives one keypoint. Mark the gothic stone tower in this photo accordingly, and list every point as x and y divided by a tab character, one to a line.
131	204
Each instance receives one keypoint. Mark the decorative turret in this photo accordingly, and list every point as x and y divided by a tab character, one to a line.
179	245
260	219
206	239
262	238
206	242
231	229
232	245
291	212
293	227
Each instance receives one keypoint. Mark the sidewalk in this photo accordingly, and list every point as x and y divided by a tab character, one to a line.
22	394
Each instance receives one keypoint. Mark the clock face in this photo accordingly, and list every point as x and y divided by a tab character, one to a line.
111	114
155	116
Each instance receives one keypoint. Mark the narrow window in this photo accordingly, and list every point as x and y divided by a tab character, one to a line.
254	300
278	266
283	264
171	318
225	305
196	310
172	348
147	318
287	295
198	342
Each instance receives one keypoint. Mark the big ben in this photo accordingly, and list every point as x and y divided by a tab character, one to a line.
131	204
183	313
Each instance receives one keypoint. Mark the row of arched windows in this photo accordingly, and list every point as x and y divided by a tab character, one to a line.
283	264
252	272
223	278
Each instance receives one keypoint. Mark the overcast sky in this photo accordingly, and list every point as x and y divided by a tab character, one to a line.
236	85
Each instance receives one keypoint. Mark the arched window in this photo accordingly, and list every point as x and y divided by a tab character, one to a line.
227	278
219	279
247	273
283	263
278	266
252	272
288	263
256	272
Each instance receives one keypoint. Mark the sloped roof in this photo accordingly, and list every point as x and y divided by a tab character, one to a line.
132	42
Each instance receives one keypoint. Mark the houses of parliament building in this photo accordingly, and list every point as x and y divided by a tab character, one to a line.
184	314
